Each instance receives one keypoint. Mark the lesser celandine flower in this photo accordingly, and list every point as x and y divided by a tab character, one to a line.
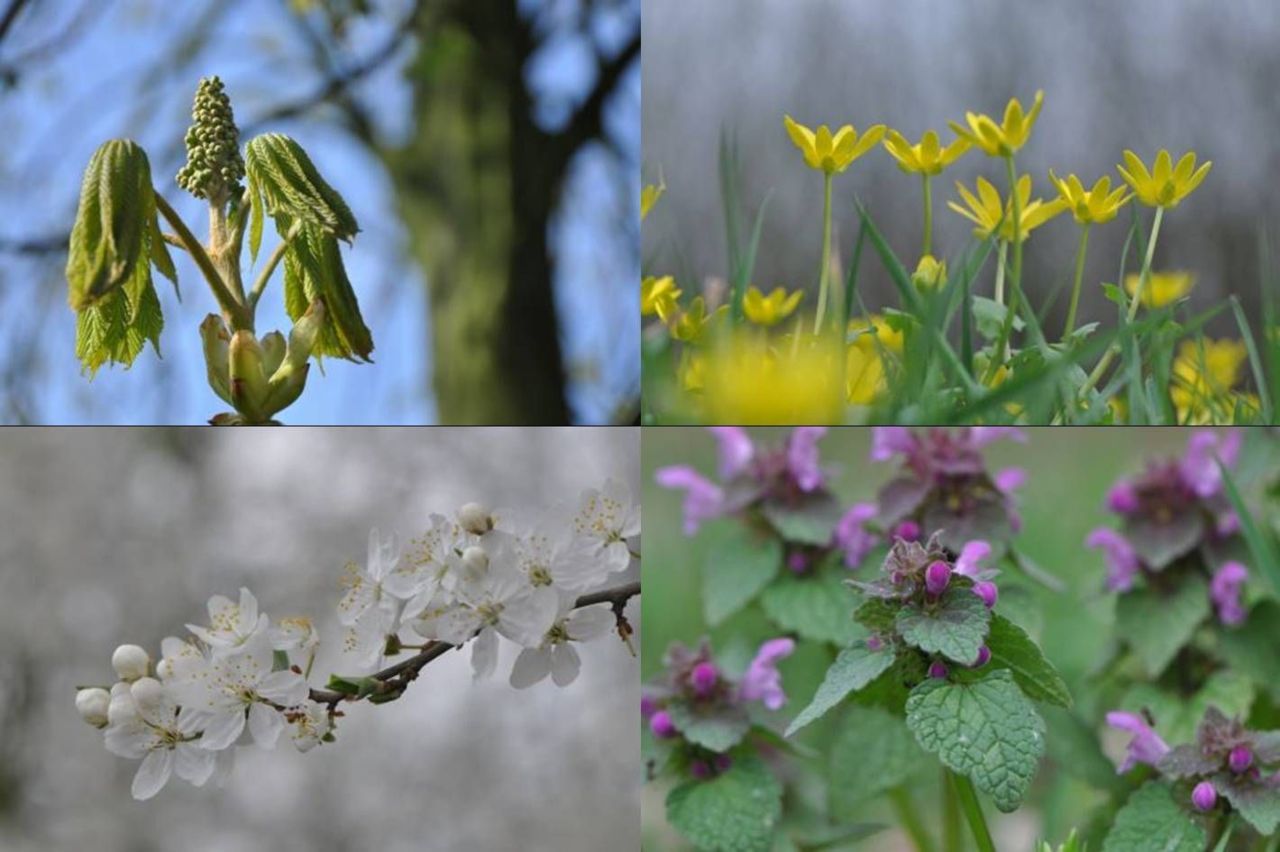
1095	206
649	197
1003	139
930	274
694	321
870	341
1204	373
832	153
1163	288
926	157
659	296
1165	184
771	309
748	382
987	212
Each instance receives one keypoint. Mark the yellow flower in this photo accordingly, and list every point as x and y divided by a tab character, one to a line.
1095	206
692	372
871	330
926	157
987	212
693	322
1163	288
1000	140
747	383
828	153
649	196
1204	373
1166	184
659	296
772	309
863	376
930	274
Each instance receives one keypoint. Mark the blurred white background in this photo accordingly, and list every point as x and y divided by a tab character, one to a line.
111	536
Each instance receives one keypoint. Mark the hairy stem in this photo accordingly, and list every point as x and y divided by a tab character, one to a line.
963	789
824	272
1075	286
235	313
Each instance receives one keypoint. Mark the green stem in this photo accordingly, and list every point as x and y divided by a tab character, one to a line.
1001	253
928	216
236	314
1112	351
270	266
909	816
952	832
823	274
1015	278
1075	286
973	811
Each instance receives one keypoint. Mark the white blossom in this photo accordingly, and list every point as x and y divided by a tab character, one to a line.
165	737
92	704
556	656
603	522
130	662
232	626
308	725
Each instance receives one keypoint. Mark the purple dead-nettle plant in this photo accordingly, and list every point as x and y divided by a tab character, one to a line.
1226	769
545	582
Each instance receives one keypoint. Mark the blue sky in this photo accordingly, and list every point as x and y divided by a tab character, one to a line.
113	80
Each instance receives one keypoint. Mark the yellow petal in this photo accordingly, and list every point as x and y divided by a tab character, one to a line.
870	138
800	135
1137	173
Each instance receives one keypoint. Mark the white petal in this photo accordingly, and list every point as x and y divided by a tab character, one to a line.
283	687
590	622
193	763
222	729
564	664
132	739
527	618
153	774
484	654
219	606
248	611
531	666
265	724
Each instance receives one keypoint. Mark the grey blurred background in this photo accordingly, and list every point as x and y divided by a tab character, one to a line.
111	536
1143	74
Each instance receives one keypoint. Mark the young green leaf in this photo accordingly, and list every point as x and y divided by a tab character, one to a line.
291	187
956	626
817	607
873	753
739	563
1158	625
1152	822
855	667
736	810
313	269
986	730
1257	802
1012	649
714	727
811	521
1260	544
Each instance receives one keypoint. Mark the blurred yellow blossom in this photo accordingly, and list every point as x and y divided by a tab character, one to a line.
930	274
771	309
870	340
649	197
1003	139
1165	185
926	157
692	372
659	296
1163	288
987	212
829	153
1204	374
694	320
1095	206
748	383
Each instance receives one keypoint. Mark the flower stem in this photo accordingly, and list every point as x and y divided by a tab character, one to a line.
928	217
1075	286
952	832
1001	261
1015	279
237	315
964	791
909	815
823	273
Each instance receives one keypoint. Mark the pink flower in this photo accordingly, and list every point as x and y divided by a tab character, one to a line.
1199	467
762	682
974	552
1122	498
907	530
1204	796
803	461
1010	480
1122	561
736	449
703	499
980	436
988	591
1224	591
1146	745
852	536
888	441
936	578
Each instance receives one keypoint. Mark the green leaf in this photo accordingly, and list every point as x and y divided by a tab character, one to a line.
1012	649
812	521
255	221
1254	800
739	563
872	753
1261	545
1152	822
986	730
1177	717
817	607
160	258
877	615
989	317
854	668
983	517
712	726
737	810
290	186
313	269
1157	625
110	237
1073	746
1161	542
1250	648
956	626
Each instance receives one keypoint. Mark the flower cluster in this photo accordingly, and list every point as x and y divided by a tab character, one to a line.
1226	768
538	582
701	713
1175	522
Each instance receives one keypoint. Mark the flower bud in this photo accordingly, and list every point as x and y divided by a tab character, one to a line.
273	347
475	518
1122	498
797	562
121	709
700	769
1240	759
475	560
216	358
930	274
986	590
874	643
648	707
704	679
936	578
1204	796
248	379
984	657
662	726
130	662
148	694
938	670
287	380
92	704
907	531
723	762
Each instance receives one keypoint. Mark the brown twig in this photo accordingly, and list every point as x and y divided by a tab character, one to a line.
393	680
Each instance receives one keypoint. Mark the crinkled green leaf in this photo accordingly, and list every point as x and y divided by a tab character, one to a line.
737	811
817	607
854	667
811	521
1254	800
877	615
956	626
1160	541
714	727
872	753
1187	761
1012	649
739	563
255	220
1251	647
1158	625
291	186
1152	822
118	326
987	730
313	269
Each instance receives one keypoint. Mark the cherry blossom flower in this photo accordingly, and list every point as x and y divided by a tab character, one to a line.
232	626
308	725
165	737
603	522
556	656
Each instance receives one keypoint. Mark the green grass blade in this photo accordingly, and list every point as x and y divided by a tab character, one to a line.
1261	546
1255	361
